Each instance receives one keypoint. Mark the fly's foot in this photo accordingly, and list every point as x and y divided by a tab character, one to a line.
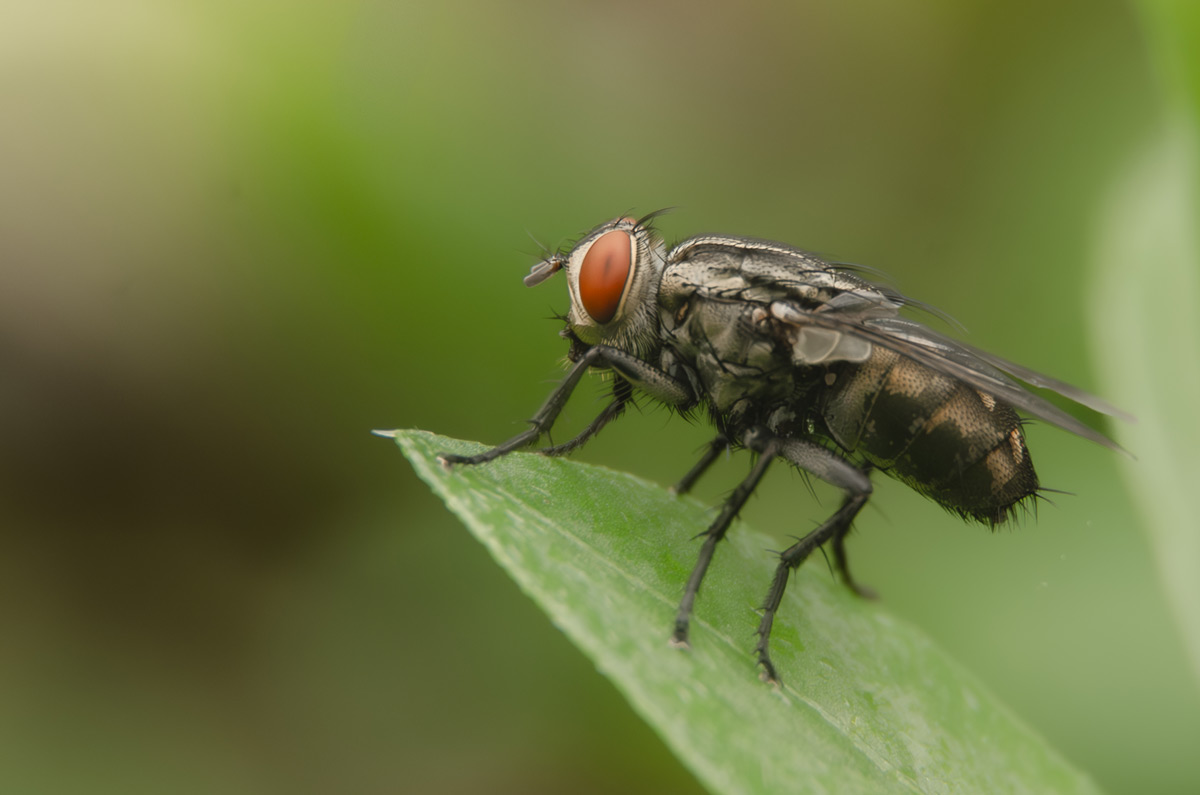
864	591
679	638
448	461
767	673
861	590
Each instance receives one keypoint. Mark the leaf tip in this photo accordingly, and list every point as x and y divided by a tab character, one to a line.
385	434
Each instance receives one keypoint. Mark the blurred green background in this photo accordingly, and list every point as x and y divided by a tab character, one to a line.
236	236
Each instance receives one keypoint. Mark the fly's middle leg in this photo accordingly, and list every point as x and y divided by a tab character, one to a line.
767	445
714	449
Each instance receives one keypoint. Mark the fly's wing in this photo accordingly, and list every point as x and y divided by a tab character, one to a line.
983	371
921	334
841	315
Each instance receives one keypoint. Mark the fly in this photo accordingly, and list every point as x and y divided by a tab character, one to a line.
798	359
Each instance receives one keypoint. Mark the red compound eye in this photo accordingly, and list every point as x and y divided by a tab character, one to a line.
603	275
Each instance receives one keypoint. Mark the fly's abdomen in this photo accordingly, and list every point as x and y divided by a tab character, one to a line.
935	433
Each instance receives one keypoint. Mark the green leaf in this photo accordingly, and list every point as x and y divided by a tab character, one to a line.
868	703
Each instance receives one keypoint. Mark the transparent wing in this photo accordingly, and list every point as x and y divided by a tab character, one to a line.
985	372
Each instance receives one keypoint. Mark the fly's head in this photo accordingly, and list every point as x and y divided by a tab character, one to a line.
613	275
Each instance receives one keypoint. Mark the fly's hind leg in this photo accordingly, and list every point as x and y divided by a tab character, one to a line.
837	471
839	560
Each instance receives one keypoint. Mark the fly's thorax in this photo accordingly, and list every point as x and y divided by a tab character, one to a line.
613	276
734	347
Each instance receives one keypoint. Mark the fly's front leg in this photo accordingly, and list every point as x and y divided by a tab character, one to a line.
622	393
767	446
833	469
540	423
656	383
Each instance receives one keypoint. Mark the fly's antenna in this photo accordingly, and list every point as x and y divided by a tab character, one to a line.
550	263
546	253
